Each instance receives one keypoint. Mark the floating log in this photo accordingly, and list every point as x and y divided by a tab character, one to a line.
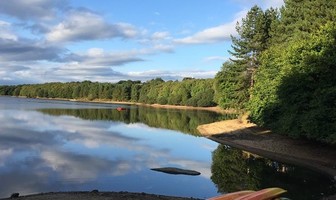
174	170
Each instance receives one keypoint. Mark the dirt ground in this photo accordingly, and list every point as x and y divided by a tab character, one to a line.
249	137
96	195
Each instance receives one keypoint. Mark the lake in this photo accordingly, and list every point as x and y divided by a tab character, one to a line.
50	146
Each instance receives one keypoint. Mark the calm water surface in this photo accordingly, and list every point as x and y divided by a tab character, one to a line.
70	146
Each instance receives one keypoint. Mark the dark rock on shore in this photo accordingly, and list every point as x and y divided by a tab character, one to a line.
98	196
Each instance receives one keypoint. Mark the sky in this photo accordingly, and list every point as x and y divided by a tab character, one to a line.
112	40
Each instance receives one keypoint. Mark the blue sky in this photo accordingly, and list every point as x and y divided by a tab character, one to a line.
107	41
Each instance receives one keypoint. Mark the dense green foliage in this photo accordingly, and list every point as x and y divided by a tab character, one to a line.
189	92
300	98
301	18
284	69
232	85
236	77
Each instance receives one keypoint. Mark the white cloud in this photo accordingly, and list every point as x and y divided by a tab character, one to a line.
95	52
99	57
84	25
75	71
215	58
80	72
32	9
5	32
160	36
171	75
160	48
262	3
4	154
273	3
214	34
17	49
210	35
29	72
95	64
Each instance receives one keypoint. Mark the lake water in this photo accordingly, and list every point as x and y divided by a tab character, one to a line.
48	145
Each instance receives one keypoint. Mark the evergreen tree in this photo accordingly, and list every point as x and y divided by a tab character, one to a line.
236	78
254	34
301	18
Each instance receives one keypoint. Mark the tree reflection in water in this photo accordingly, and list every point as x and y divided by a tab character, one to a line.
185	121
234	170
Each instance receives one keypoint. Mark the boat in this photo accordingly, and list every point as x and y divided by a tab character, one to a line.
264	194
232	195
120	108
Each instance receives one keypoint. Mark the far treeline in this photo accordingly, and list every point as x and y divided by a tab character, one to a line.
282	71
189	92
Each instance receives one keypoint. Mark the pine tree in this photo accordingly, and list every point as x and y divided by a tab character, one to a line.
254	34
301	18
236	78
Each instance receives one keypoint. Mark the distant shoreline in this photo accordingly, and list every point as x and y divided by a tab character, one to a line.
216	109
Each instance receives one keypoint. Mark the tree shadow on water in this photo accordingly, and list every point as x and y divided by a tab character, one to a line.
234	170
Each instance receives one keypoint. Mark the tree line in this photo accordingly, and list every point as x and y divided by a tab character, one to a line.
188	92
283	69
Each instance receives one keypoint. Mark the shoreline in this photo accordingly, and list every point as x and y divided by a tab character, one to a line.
250	137
216	109
97	195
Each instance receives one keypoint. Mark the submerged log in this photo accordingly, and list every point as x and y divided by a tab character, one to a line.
174	170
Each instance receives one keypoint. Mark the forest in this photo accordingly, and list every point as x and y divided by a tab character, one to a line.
282	72
188	92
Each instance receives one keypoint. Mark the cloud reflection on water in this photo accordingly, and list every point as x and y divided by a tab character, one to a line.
40	153
83	167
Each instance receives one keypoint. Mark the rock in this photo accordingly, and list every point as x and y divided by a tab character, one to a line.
173	170
14	195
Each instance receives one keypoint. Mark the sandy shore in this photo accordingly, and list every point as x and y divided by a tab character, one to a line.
249	137
213	109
